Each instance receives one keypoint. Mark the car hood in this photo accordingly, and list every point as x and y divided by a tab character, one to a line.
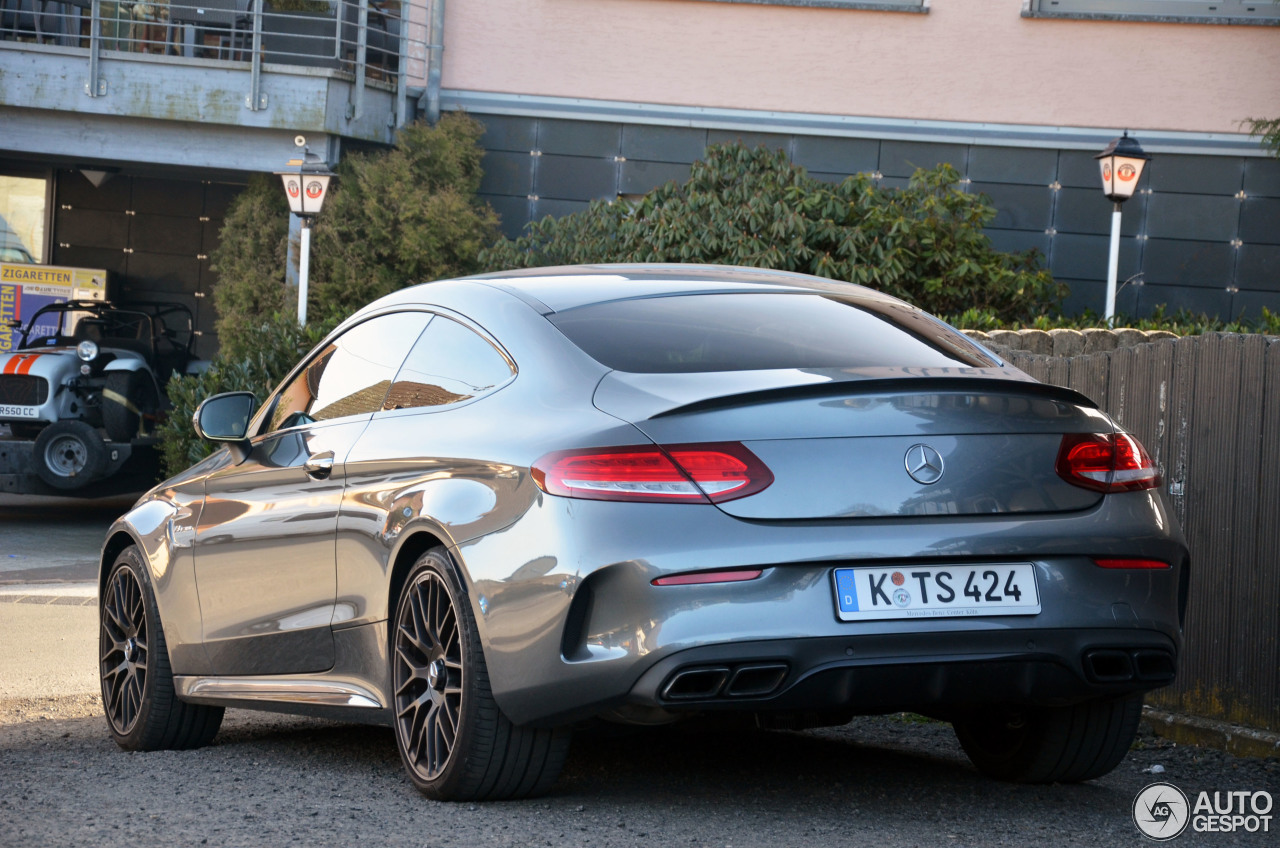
39	360
36	362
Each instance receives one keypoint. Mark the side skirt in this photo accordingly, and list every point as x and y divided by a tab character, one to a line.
355	689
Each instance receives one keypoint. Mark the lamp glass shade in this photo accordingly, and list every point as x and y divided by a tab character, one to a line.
314	189
293	190
1120	175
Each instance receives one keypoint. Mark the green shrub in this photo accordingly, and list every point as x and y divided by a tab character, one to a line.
924	243
250	258
279	343
1268	131
392	219
404	216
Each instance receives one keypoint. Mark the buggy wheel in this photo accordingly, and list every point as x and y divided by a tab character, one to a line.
69	455
129	396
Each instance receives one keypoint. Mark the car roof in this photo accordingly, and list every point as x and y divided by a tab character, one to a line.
568	287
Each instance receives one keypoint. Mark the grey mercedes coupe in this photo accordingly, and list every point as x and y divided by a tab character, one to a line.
486	510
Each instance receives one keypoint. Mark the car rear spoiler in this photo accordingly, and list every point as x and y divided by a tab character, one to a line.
890	385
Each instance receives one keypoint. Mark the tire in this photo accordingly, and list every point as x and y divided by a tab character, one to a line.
69	455
452	738
126	399
143	712
1051	744
25	431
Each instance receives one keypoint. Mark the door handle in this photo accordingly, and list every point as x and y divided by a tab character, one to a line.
319	465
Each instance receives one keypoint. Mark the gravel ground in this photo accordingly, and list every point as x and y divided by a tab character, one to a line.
271	780
275	780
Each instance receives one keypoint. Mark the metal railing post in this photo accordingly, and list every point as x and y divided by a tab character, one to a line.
402	85
362	45
95	86
435	60
256	101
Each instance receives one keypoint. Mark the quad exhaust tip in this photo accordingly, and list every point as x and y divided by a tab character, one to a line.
1121	665
703	683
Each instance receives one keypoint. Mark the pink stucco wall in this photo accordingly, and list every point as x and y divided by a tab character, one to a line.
966	60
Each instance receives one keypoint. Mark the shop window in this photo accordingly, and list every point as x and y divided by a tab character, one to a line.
24	205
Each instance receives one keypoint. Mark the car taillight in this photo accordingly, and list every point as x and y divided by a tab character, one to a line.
1113	462
698	578
1127	562
717	472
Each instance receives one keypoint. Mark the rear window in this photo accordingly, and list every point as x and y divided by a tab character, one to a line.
748	332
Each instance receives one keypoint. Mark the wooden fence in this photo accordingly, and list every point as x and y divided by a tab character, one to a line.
1207	408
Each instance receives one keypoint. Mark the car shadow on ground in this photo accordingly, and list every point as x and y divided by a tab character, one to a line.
278	779
860	762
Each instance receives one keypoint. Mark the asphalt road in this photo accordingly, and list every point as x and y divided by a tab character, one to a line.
53	539
270	780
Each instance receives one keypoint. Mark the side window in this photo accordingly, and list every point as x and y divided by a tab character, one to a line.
351	376
450	363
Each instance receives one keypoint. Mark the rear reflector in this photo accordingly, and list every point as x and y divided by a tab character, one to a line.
717	472
1130	563
1108	463
708	577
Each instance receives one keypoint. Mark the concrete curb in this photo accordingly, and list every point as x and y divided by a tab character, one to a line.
63	594
1210	733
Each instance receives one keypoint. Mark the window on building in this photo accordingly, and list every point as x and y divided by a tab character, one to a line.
866	5
24	205
1189	11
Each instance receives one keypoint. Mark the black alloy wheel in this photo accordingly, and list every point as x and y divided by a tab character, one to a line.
125	649
143	711
453	739
429	675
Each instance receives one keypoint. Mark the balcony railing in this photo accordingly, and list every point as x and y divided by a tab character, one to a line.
376	43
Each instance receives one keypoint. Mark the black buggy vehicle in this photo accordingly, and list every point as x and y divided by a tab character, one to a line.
83	370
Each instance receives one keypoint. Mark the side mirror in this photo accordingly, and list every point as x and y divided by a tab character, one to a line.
225	418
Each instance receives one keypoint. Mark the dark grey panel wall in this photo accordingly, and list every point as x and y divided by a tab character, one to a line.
154	235
1203	233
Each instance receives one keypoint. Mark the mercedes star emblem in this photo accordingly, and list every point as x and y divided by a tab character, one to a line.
924	464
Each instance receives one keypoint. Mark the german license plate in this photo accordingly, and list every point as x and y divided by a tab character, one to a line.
936	591
19	411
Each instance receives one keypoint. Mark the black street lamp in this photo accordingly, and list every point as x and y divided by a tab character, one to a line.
306	187
1121	166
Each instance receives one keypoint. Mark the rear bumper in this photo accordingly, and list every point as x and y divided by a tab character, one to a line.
917	672
587	631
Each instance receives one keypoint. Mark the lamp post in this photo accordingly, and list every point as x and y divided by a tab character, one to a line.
1121	164
306	187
